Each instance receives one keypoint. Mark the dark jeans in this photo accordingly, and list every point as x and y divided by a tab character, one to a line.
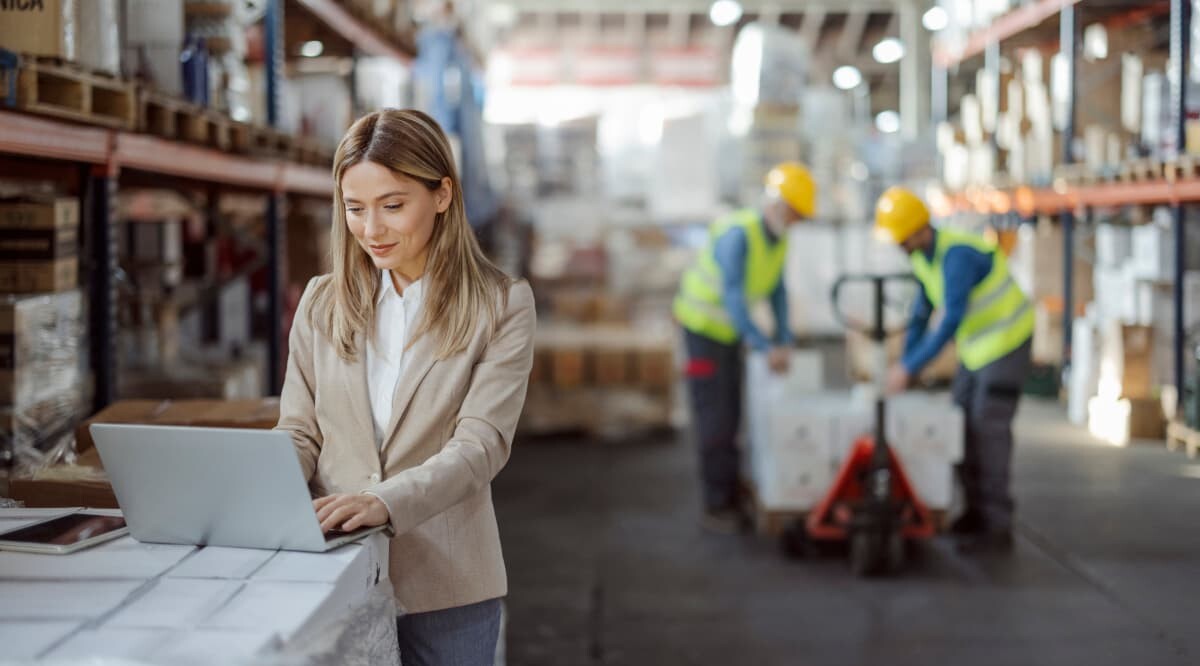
988	397
714	378
463	636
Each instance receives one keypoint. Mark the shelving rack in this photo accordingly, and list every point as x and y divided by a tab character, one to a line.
1033	22
97	159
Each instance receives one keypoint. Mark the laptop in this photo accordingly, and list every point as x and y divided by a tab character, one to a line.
213	486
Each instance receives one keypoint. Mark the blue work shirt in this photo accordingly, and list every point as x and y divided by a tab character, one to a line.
963	268
730	252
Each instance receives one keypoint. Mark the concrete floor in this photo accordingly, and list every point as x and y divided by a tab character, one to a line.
607	566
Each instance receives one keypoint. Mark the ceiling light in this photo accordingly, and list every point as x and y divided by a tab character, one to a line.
725	12
312	49
888	122
888	51
847	77
935	19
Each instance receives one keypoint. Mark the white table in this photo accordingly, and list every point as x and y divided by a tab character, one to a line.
162	604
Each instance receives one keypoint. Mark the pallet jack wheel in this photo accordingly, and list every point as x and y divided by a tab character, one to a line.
795	542
897	552
866	553
874	553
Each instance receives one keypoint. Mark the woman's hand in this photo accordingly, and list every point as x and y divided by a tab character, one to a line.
347	512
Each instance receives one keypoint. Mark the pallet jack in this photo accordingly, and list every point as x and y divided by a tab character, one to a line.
871	506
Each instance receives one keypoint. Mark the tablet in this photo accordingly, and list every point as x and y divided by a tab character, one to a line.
64	534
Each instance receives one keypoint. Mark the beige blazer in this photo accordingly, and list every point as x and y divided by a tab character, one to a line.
451	432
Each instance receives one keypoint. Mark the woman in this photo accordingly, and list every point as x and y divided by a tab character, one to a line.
407	373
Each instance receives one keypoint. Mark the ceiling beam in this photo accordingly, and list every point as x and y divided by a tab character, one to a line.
811	24
852	34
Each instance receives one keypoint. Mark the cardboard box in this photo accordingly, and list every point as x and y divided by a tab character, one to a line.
1146	420
860	358
1120	421
39	245
1127	361
19	277
56	213
40	27
260	413
1047	334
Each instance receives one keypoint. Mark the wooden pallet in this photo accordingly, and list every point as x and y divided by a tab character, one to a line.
51	87
177	119
1186	166
269	142
1140	171
1179	436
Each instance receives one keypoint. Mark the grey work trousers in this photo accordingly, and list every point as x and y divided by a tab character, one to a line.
988	397
714	378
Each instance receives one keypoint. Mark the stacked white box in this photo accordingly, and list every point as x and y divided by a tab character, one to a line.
799	440
1113	245
1152	253
788	427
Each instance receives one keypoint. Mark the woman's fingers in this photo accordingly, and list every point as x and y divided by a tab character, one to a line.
322	501
338	517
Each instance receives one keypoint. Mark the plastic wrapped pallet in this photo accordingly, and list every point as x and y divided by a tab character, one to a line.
97	43
40	373
151	42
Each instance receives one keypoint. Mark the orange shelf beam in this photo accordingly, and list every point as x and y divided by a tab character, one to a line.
1046	201
1004	27
37	137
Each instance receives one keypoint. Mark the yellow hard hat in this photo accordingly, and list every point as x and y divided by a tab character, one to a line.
792	182
900	214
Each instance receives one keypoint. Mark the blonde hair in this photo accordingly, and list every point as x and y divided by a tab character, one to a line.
460	283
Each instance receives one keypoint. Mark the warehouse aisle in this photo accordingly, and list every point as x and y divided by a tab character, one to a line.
607	566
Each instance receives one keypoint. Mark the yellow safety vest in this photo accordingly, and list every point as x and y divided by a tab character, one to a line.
999	317
699	306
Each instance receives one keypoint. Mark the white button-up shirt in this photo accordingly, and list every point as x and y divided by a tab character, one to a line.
395	319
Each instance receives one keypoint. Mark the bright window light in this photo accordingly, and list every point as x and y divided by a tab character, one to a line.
312	49
888	51
746	65
935	19
847	77
502	14
725	12
888	122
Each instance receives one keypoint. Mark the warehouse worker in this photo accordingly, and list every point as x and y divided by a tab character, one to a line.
741	263
991	322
